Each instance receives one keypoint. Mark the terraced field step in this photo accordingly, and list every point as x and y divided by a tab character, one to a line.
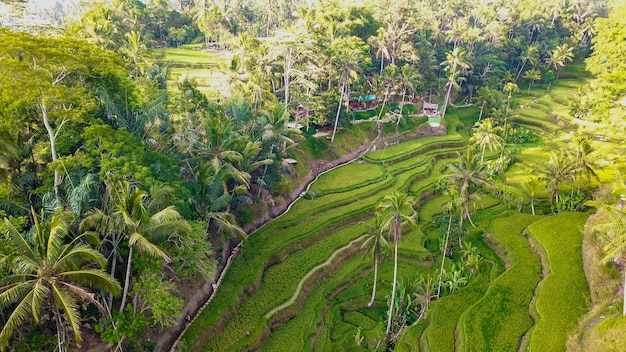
311	272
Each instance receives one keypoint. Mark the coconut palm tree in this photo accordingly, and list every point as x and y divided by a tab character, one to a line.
529	55
275	132
532	76
350	56
373	245
560	168
380	41
397	212
408	79
139	218
583	160
486	136
467	176
45	271
450	208
559	57
455	65
532	186
615	229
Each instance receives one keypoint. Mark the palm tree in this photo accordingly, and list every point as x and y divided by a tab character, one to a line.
349	57
467	175
408	80
560	168
374	244
532	186
615	229
450	208
482	98
486	135
510	88
137	215
530	54
532	76
275	130
385	84
455	64
584	160
397	211
559	57
380	42
43	267
134	50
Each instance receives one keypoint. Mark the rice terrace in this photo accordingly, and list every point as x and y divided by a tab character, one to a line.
326	175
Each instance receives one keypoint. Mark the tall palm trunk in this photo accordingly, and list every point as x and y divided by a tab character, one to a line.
127	280
443	256
401	106
343	87
447	98
377	260
61	343
113	265
482	107
396	239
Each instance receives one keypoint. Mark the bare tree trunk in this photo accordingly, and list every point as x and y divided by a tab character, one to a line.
401	106
447	98
343	87
393	290
61	334
53	135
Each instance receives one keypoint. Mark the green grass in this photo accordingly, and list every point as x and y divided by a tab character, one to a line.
498	321
443	317
350	176
564	295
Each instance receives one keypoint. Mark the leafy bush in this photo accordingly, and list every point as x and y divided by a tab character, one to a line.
570	203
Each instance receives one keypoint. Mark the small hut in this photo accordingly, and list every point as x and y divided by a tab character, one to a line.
430	109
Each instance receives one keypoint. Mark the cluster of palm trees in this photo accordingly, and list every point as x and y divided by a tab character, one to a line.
60	258
395	214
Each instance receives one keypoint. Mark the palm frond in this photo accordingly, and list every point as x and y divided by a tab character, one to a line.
93	277
84	295
40	292
15	319
13	292
22	246
68	305
77	255
146	246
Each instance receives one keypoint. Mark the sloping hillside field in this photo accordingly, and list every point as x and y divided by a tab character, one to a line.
302	282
